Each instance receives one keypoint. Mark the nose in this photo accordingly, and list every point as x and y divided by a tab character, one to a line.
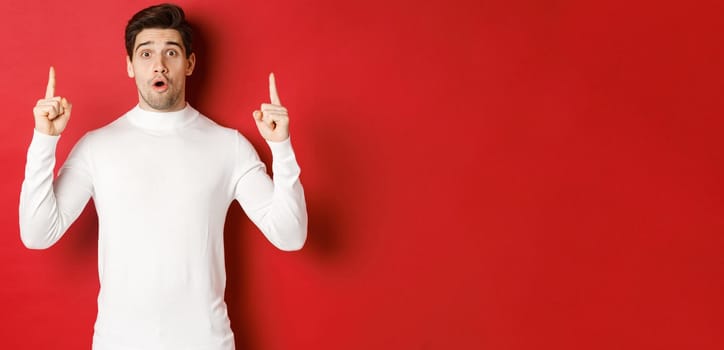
159	66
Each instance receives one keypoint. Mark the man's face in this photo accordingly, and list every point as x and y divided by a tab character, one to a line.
160	68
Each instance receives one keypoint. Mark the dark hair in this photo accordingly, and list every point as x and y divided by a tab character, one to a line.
163	16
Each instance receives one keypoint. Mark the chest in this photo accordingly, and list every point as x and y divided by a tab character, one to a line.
162	171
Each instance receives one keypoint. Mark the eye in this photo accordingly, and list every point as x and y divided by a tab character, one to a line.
172	53
145	54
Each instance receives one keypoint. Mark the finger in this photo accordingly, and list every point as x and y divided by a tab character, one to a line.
267	107
280	120
49	101
268	120
52	105
52	112
276	116
285	114
257	116
67	106
59	107
41	111
50	89
273	95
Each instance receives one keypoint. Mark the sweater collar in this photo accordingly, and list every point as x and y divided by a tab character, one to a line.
162	120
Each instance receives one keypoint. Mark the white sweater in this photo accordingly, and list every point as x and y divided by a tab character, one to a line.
162	184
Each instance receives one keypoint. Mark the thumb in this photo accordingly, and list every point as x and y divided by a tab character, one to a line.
67	106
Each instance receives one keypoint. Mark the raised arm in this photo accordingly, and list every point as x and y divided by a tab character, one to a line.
48	207
276	206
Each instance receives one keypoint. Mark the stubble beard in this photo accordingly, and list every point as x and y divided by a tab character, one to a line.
161	101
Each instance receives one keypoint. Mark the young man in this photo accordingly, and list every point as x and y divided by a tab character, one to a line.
162	177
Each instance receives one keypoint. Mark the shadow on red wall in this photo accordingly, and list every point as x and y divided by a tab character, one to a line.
327	224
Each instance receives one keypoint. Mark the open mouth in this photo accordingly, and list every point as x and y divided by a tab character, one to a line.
159	85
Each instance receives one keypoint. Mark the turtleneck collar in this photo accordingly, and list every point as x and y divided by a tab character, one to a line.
162	120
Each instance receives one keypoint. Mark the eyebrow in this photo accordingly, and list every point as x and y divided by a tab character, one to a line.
172	43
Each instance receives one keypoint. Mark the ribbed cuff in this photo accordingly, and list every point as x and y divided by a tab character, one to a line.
42	143
284	162
281	150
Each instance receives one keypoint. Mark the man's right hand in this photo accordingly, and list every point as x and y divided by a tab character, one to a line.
52	112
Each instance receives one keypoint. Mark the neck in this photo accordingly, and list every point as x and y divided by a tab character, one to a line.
162	120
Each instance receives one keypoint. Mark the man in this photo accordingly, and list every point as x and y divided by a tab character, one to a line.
162	177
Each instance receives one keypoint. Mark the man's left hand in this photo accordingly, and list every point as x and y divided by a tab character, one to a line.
273	119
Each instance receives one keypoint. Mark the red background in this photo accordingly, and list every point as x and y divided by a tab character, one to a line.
480	174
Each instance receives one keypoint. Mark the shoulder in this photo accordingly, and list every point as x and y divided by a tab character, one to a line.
107	134
228	134
103	132
228	141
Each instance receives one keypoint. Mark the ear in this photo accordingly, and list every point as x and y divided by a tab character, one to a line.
129	67
191	64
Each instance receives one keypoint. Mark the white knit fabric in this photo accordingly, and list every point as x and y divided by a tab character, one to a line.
162	184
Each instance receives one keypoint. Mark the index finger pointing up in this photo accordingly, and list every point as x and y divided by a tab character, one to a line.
50	90
273	95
